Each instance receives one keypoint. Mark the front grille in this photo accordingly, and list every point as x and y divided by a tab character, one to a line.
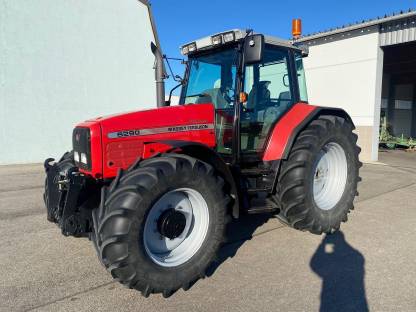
81	143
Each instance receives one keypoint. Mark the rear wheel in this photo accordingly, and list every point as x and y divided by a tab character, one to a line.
318	181
160	225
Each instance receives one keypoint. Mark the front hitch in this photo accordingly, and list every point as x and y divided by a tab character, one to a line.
62	199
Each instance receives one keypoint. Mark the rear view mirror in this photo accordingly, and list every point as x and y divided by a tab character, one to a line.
286	80
253	49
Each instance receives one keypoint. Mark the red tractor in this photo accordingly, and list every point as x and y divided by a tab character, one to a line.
154	189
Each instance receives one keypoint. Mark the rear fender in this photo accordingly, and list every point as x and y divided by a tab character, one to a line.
287	129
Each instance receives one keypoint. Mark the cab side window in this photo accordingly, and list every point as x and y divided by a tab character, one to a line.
268	85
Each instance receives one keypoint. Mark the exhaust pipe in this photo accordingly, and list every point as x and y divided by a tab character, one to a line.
159	75
159	67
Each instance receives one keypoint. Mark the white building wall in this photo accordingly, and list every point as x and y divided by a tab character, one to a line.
344	71
62	62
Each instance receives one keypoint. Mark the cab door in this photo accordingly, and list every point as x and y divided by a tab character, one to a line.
271	92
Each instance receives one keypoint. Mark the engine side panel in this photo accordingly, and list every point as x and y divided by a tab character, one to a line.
123	137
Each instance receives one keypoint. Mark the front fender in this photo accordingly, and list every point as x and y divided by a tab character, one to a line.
201	152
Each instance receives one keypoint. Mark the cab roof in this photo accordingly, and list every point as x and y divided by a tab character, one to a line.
234	35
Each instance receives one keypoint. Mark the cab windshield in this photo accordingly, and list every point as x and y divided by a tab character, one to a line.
211	79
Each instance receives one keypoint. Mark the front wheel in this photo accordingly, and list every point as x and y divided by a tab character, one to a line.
160	225
318	182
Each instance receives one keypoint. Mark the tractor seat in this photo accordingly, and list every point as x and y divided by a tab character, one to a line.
259	95
271	114
285	99
213	96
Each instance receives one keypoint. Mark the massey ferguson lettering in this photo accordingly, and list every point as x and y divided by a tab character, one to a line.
133	133
187	128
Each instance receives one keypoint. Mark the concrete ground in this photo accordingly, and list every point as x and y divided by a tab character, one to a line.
265	266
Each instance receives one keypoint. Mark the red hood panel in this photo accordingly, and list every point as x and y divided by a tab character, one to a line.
159	117
123	135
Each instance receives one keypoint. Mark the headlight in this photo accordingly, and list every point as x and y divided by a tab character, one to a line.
185	50
192	47
216	40
81	143
84	158
228	37
188	48
213	41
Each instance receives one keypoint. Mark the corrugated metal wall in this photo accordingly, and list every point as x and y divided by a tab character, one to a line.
398	32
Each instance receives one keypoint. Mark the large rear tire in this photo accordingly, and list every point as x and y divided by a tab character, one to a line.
160	225
318	182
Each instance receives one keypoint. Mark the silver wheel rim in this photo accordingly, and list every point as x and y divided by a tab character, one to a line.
173	252
330	176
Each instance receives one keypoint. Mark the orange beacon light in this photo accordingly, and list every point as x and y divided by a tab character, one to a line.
296	28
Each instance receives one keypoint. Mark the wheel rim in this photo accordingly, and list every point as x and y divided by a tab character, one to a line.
330	176
171	252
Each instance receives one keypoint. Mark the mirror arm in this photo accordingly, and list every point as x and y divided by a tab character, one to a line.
171	92
176	78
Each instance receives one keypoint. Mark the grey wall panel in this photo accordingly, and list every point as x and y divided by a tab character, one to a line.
62	62
346	72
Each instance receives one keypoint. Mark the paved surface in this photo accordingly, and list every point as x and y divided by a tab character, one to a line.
266	266
401	159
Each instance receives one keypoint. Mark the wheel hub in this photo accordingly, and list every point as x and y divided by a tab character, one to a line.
171	223
330	176
175	227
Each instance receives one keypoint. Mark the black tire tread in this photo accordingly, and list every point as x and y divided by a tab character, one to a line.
117	206
291	188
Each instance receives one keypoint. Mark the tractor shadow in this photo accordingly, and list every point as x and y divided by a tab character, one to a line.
237	233
342	269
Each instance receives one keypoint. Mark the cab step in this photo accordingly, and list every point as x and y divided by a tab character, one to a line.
262	209
255	172
254	191
262	205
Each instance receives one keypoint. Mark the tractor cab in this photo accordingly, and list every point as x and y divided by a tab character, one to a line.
251	79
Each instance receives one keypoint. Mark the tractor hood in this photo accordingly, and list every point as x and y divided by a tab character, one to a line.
156	118
118	140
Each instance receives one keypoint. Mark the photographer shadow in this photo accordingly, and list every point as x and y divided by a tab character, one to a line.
342	270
